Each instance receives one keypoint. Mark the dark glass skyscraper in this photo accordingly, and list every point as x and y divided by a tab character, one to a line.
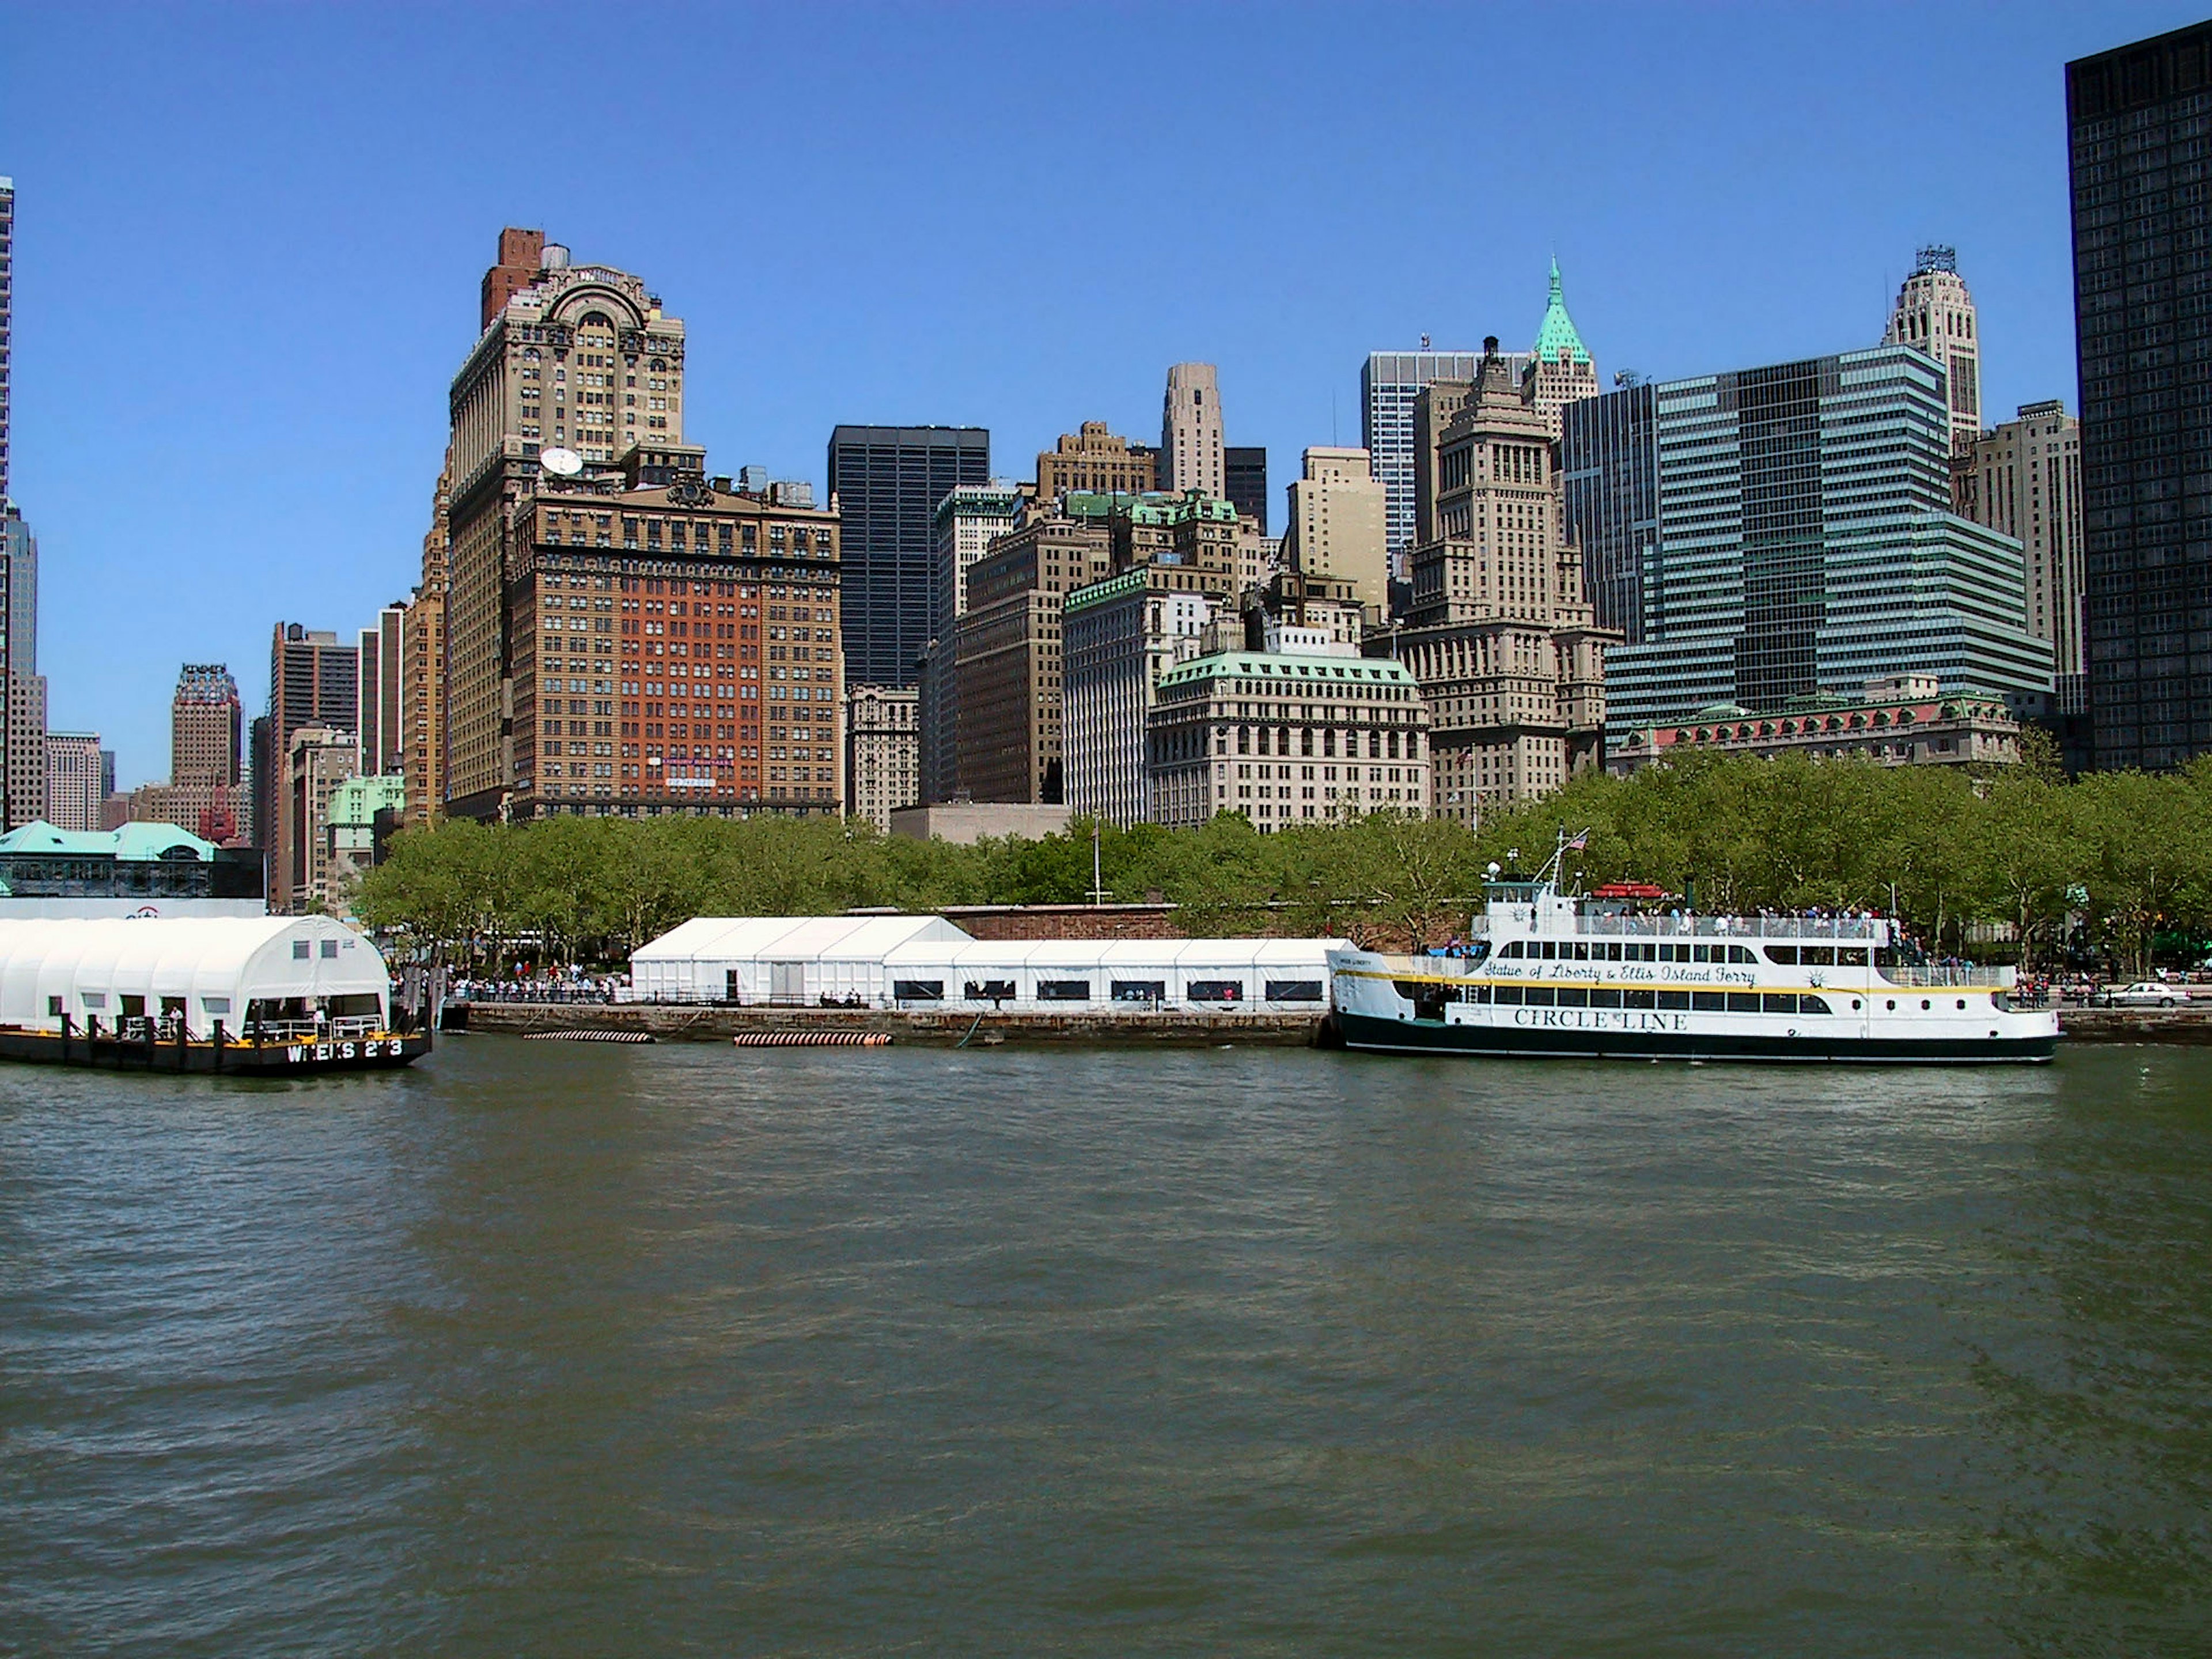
888	481
2137	119
1244	474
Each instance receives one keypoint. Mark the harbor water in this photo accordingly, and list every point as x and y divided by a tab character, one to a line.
565	1349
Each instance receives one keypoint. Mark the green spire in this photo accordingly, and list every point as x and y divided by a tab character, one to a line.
1557	340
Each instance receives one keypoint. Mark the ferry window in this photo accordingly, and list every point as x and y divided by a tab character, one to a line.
1549	950
1674	999
1613	953
1215	990
1672	953
1892	1004
1294	990
1506	996
1784	954
1743	1002
1709	1002
1641	953
1962	1002
1512	949
1537	996
299	950
1738	953
95	999
1605	998
1481	993
1925	1005
216	1004
54	1005
1817	956
330	947
1063	990
1573	996
1855	1003
1639	1000
1853	955
1702	953
1581	953
917	990
1783	1002
1808	1005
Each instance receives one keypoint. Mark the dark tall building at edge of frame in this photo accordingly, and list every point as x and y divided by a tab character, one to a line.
2137	131
1244	474
887	482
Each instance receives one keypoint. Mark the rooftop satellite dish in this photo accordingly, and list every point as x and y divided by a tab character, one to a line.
561	463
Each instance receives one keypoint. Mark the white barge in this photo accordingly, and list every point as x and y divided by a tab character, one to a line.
1551	973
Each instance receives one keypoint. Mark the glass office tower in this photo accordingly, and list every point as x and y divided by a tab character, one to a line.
2137	122
1772	532
887	482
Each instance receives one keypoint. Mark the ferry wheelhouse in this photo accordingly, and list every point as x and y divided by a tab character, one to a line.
1545	972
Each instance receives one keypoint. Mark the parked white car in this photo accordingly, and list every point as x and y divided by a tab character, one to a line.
2144	994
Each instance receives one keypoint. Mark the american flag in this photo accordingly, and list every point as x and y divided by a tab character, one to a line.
1578	843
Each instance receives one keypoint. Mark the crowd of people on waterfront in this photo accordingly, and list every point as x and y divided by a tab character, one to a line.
574	986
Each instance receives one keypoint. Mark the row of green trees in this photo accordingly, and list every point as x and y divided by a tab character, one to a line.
2127	857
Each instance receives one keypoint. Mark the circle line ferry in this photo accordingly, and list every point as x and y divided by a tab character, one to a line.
1553	972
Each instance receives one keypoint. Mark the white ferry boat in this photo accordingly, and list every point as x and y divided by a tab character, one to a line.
1551	973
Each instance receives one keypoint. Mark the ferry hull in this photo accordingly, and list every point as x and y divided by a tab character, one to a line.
270	1059
1416	1036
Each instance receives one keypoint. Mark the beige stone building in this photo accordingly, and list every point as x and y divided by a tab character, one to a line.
1339	526
422	676
883	752
1287	739
1007	655
1499	636
74	786
2026	481
578	359
1096	460
206	793
1191	442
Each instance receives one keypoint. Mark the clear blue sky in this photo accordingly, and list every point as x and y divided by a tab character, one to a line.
249	238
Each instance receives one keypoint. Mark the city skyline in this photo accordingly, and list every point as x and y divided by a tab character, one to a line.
138	450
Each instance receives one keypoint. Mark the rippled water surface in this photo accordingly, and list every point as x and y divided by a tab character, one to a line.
548	1350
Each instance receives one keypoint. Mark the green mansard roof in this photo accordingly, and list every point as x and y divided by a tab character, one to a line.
1557	340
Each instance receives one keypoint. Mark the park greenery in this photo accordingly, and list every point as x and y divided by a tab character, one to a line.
2018	861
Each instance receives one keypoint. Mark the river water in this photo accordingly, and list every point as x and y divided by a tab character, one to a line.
551	1349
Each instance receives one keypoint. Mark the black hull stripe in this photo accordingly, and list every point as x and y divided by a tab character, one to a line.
1365	1031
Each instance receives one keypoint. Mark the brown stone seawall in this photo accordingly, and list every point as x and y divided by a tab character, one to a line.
671	1023
2190	1024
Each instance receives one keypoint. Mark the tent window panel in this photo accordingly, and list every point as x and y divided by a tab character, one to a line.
299	950
1294	990
989	990
1140	990
1215	990
214	1005
355	1003
1063	990
95	999
330	949
918	990
53	1004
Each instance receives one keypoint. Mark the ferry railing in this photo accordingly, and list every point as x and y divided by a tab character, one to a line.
1799	928
1922	977
346	1028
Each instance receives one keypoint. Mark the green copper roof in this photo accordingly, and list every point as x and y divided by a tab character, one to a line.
137	843
1557	340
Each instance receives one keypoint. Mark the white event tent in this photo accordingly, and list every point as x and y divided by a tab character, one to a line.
233	968
925	962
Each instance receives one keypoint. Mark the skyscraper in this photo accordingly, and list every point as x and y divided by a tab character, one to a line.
1337	524
2028	483
886	482
1191	444
314	682
383	675
1791	532
1560	369
1389	382
1096	459
576	358
1935	312
1244	467
7	317
2134	119
73	780
25	687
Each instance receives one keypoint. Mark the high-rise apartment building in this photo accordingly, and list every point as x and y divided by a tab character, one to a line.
1935	312
314	682
580	360
1244	471
7	321
883	752
73	781
320	759
1389	384
2136	120
23	721
2028	483
1287	739
1499	635
1340	525
1191	445
886	482
1097	461
1560	369
1791	533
